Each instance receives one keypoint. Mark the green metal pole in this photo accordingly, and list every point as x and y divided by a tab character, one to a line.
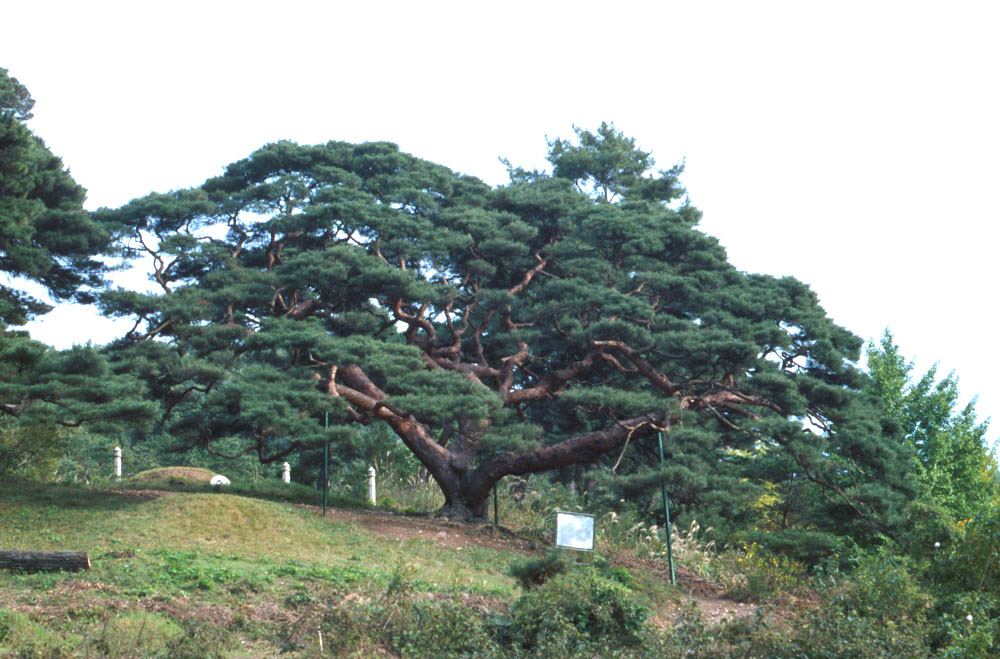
666	513
326	464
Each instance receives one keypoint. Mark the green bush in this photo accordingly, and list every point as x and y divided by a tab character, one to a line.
927	530
532	572
969	626
31	451
803	546
20	636
974	563
766	574
569	611
879	612
138	634
200	641
444	629
422	628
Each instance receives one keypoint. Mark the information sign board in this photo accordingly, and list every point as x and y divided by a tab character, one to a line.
574	531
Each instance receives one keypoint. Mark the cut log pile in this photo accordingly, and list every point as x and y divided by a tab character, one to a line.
44	561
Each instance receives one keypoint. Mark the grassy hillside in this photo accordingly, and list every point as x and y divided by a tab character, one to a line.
202	573
217	572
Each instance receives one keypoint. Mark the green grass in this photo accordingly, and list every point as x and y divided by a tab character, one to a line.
224	528
247	571
242	559
271	490
205	572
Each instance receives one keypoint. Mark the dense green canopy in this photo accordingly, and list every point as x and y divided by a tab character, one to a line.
46	238
45	235
954	465
541	324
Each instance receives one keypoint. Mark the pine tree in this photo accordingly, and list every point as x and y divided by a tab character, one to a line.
531	327
46	237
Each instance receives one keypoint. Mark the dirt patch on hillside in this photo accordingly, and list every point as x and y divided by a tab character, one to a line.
444	533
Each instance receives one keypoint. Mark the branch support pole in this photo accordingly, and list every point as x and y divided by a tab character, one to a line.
666	514
326	464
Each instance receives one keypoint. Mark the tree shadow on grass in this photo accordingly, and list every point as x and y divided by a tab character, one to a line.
34	494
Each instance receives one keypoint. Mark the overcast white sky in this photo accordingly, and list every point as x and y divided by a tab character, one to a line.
853	145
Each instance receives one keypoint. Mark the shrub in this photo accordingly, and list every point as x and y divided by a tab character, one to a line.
879	612
422	628
31	451
969	625
20	636
444	629
200	641
569	611
532	572
138	634
926	530
974	564
803	546
766	574
355	627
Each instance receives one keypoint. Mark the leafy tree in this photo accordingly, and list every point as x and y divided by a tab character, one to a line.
531	327
953	462
30	451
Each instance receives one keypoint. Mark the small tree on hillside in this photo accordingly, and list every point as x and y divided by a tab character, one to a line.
954	465
515	330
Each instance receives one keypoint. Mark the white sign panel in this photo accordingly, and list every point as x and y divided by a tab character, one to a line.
575	531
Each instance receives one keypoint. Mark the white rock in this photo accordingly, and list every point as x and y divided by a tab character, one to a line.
219	479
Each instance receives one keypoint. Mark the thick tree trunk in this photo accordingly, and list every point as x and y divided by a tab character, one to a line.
582	449
44	561
466	485
462	502
467	489
465	511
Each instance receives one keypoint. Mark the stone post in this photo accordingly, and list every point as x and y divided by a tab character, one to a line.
118	462
286	472
371	485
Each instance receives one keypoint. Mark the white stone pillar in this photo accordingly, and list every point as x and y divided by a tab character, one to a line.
118	462
286	472
371	485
